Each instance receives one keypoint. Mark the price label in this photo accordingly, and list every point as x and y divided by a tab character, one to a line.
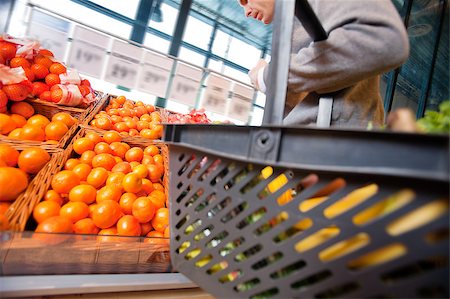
52	39
121	72
88	51
216	95
240	105
123	64
185	84
154	75
87	58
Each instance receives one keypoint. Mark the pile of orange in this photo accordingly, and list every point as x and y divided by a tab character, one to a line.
21	123
16	169
108	188
130	118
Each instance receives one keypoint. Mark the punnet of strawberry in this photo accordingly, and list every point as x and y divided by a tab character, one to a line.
28	70
194	117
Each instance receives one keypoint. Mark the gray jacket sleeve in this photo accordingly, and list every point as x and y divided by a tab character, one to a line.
365	38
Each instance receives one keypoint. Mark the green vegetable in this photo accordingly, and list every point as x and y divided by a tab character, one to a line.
436	121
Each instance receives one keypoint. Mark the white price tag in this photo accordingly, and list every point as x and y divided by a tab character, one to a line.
216	95
88	51
154	75
87	58
240	105
123	64
51	39
185	84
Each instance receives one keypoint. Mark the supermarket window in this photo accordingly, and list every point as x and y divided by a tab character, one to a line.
215	65
221	42
165	17
243	54
236	74
197	33
191	56
260	99
87	16
157	43
129	10
256	116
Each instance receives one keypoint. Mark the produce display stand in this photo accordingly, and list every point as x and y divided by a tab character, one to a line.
297	212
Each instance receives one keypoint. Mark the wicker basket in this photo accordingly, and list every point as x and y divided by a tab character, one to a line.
48	110
22	207
29	253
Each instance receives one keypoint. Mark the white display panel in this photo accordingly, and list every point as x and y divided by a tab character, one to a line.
240	105
123	64
88	51
185	84
216	95
51	39
154	74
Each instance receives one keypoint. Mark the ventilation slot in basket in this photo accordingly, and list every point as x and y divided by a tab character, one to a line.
288	270
247	285
217	240
235	212
339	291
344	247
248	253
231	246
378	256
197	167
317	238
217	267
252	218
222	205
194	198
415	269
232	276
218	178
275	221
210	169
311	280
206	202
292	231
266	294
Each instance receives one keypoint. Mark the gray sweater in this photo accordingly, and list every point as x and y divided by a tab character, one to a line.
365	39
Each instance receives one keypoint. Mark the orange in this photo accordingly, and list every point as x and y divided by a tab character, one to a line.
74	210
46	52
106	161
55	224
82	170
155	172
87	157
167	232
46	95
15	134
83	193
123	167
38	120
22	108
106	235
109	192
45	210
132	183
19	120
52	195
134	154
118	149
143	209
106	213
71	163
39	88
120	99
103	123
43	60
147	160
83	144
151	150
64	181
13	182
158	202
126	202
85	226
102	148
147	186
9	155
117	159
34	133
160	220
128	226
39	70
7	124
57	68
19	61
141	171
4	206
158	158
52	79
156	238
97	177
64	117
31	160
16	92
56	130
112	136
146	228
158	186
115	179
94	137
4	222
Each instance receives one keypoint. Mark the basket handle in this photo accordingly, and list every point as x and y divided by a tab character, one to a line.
281	49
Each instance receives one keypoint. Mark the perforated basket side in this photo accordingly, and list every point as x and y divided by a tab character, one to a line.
249	230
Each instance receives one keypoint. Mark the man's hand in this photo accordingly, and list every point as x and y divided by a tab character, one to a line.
253	73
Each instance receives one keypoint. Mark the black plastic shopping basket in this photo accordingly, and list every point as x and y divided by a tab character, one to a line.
272	211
